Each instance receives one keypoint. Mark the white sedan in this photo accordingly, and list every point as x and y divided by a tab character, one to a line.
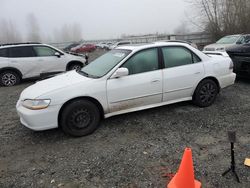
127	79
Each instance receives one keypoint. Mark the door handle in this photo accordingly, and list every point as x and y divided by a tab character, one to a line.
197	73
154	81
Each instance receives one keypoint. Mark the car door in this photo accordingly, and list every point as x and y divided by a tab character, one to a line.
183	70
23	58
4	58
48	61
143	85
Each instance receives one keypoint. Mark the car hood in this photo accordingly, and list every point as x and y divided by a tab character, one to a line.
245	48
52	84
76	56
213	47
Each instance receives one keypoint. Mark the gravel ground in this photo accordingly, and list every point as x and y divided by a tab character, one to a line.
131	150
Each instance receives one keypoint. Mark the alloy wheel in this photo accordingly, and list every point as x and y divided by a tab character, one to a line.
76	67
207	93
9	79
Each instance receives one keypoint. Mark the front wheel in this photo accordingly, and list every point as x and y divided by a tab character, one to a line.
80	118
75	66
205	93
9	78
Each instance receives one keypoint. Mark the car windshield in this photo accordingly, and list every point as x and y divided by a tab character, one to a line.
228	40
105	63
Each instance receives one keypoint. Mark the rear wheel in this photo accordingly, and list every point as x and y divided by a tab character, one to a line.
205	93
9	78
80	118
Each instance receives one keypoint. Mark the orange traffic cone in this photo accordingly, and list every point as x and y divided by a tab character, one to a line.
184	178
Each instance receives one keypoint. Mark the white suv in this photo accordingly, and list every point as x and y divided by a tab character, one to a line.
28	60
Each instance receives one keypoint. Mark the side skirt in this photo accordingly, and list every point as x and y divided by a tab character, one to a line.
146	107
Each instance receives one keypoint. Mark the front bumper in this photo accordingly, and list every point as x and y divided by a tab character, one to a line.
241	65
38	120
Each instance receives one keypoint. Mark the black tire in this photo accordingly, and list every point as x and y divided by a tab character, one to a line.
205	93
9	78
80	118
75	66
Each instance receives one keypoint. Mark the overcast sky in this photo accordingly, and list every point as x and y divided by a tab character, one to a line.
99	19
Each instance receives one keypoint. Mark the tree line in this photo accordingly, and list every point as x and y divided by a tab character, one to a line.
223	17
10	32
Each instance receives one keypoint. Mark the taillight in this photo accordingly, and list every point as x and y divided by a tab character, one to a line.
231	65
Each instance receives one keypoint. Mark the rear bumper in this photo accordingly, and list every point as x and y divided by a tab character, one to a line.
227	80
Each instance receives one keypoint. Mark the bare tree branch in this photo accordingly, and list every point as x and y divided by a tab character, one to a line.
222	17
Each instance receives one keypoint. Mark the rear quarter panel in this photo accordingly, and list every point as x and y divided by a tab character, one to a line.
4	62
218	67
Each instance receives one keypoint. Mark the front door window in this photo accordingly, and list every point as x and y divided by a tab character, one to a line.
144	61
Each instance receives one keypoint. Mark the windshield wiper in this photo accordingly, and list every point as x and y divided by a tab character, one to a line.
83	73
87	74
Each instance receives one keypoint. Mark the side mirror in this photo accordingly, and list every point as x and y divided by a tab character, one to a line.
120	73
57	54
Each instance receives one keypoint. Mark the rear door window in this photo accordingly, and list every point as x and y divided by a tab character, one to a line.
178	56
21	52
43	51
4	52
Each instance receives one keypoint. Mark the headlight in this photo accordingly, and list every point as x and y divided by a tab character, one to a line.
36	104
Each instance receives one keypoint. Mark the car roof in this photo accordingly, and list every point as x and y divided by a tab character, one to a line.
21	44
237	35
134	47
7	45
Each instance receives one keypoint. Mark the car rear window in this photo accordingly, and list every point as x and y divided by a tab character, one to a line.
4	52
22	51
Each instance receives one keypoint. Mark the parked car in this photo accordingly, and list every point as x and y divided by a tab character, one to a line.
107	45
226	42
84	48
126	79
67	49
119	44
27	60
240	54
101	45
